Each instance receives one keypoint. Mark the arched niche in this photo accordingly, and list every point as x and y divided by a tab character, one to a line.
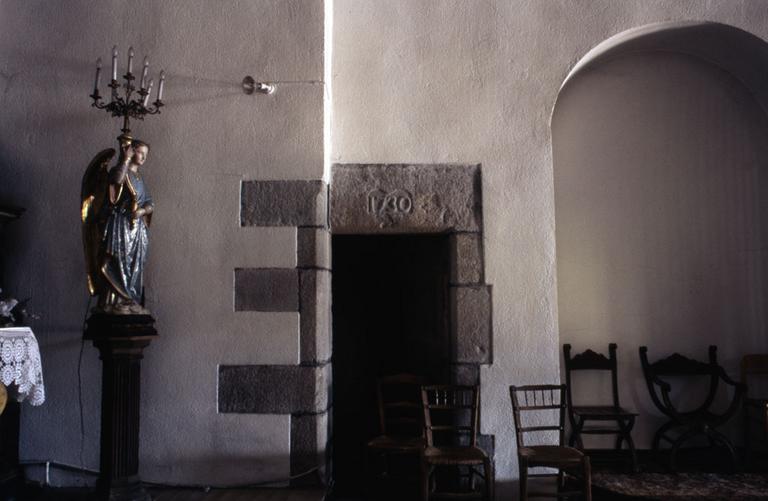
661	200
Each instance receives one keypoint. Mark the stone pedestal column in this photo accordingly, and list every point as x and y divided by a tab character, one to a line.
121	340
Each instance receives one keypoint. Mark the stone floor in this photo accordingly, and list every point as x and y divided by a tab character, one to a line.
49	494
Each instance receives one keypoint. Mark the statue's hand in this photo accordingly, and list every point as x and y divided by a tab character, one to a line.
139	213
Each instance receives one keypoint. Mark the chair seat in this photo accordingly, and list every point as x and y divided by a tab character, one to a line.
397	444
454	455
603	412
551	455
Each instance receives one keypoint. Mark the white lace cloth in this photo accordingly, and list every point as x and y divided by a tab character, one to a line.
20	364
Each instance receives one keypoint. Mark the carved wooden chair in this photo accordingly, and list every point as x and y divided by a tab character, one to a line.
755	403
451	425
543	400
602	415
401	427
682	426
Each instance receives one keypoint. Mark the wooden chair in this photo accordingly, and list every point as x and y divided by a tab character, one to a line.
602	415
451	424
401	428
682	426
543	399
755	404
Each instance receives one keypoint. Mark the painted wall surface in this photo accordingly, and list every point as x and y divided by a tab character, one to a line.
661	195
467	81
209	137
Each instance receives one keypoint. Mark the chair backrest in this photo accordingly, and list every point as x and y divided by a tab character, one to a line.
399	401
679	365
536	399
755	364
591	361
450	414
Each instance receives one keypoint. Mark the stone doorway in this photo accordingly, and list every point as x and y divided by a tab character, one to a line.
407	206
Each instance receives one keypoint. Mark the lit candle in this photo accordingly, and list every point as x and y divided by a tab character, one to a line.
144	71
149	90
97	81
130	60
114	63
160	88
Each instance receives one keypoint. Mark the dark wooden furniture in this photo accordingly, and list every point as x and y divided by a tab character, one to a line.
609	419
532	406
753	367
121	340
401	428
682	426
451	424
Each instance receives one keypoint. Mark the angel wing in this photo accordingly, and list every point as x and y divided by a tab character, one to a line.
93	196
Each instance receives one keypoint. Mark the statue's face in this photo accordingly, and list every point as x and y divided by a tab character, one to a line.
140	155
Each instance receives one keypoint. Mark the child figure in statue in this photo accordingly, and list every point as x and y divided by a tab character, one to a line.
116	211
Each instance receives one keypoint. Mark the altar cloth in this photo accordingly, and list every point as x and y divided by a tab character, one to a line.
20	364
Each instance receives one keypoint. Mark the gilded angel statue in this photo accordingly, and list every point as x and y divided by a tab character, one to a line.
116	210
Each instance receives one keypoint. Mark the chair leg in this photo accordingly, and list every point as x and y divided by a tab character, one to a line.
523	479
660	434
425	473
489	478
676	446
626	433
717	437
587	480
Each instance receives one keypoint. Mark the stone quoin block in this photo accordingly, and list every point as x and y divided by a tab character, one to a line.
376	198
471	324
313	248
315	316
466	258
266	289
284	203
309	442
465	374
273	389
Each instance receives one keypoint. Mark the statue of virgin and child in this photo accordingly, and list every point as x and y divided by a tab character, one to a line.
116	210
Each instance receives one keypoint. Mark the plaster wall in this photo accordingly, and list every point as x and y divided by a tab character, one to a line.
661	195
476	82
209	137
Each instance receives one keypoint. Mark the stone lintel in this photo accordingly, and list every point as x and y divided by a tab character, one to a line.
284	203
403	198
471	324
266	289
313	248
273	389
315	316
467	258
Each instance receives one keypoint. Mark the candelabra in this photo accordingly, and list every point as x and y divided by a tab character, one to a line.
128	106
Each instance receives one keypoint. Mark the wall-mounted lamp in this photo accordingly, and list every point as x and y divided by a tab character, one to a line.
250	86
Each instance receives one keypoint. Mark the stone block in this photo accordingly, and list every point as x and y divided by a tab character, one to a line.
313	248
471	324
405	198
465	374
273	389
315	316
309	443
467	258
266	289
284	203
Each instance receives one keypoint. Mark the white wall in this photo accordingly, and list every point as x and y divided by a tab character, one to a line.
469	81
660	192
208	138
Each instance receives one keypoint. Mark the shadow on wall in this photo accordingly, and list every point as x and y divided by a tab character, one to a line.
661	192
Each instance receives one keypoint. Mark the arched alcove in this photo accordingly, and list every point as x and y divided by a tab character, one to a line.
661	190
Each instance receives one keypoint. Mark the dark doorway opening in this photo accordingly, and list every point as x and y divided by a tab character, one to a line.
390	315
